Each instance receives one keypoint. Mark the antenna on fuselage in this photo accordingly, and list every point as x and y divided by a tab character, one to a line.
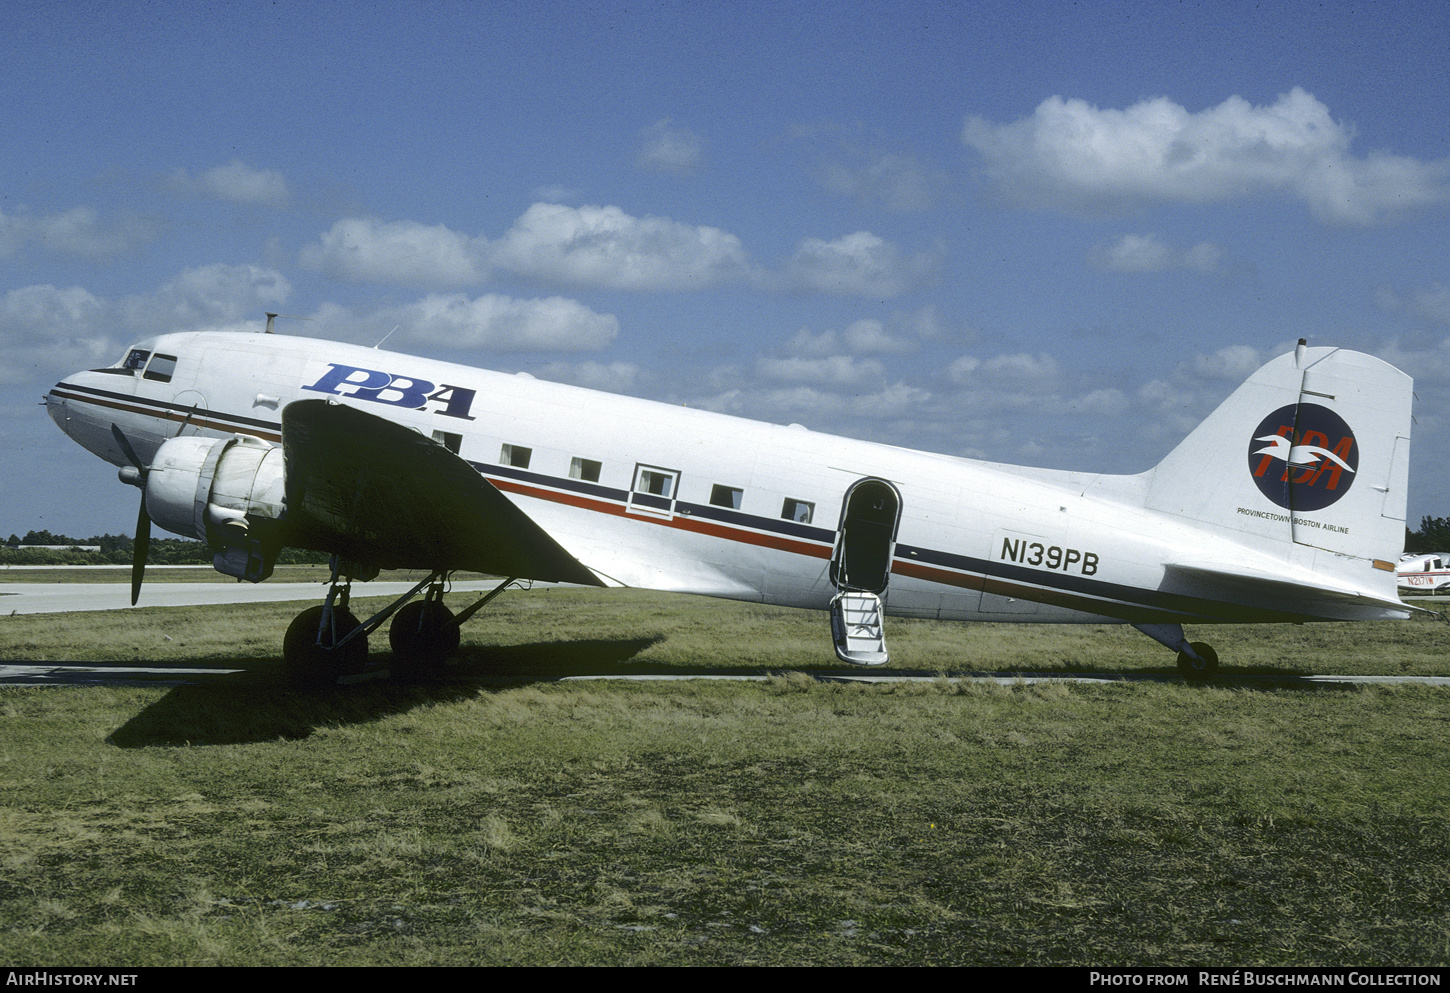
272	320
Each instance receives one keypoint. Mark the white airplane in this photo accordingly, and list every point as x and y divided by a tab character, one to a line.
1427	573
253	442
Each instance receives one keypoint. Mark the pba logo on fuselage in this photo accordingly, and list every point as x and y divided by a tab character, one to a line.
395	390
1303	457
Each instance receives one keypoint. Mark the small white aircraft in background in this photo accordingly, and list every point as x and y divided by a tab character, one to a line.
1424	573
1287	504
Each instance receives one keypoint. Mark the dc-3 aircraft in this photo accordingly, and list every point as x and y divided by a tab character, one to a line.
1287	504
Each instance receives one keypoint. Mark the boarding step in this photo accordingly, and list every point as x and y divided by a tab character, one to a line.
856	628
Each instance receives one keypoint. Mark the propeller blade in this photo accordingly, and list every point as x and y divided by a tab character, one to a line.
139	550
126	448
142	544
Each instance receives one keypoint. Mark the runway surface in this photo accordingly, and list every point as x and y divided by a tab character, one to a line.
55	598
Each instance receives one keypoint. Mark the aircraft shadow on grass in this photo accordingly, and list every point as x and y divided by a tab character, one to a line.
251	705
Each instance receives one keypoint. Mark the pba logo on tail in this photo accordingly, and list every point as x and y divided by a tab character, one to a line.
1303	457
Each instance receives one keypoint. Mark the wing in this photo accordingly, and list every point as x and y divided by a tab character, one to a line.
384	494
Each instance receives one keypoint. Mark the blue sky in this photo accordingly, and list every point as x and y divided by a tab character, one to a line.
1053	234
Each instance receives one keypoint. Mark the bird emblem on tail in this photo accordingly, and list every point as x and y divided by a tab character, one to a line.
1280	448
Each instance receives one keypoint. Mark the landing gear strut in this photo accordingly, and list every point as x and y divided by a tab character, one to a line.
1201	667
423	636
1197	660
314	652
327	642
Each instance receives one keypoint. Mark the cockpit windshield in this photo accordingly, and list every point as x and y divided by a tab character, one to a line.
157	367
131	365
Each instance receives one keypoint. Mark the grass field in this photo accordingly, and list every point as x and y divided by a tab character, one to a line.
788	821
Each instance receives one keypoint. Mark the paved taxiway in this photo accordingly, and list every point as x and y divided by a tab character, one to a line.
56	598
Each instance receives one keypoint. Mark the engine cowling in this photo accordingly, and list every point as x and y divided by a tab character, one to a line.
228	492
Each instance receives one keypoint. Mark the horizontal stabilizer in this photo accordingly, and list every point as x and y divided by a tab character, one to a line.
1315	596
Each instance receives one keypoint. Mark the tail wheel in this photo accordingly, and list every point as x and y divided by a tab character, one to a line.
424	636
1200	668
309	657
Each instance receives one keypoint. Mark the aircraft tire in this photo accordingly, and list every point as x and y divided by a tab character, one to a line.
423	637
313	666
1197	671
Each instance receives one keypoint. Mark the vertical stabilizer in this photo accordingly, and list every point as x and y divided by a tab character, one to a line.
1312	452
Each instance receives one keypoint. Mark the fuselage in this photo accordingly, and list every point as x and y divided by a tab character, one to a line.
666	497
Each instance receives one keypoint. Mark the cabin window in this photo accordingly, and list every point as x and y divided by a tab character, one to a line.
449	440
658	483
799	511
653	492
515	455
161	368
585	469
726	496
136	359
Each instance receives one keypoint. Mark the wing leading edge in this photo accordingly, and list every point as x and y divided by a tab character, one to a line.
381	493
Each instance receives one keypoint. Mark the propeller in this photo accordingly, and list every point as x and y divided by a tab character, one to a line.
143	519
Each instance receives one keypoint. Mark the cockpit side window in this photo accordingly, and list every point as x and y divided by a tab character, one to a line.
161	368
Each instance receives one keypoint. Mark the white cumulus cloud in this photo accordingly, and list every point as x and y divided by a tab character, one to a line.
1149	253
365	250
860	264
206	297
47	332
238	182
78	231
605	247
52	330
504	323
833	371
1070	155
863	337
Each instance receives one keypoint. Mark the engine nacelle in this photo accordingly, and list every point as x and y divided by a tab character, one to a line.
229	492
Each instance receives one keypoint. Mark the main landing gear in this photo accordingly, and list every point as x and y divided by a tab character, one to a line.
325	643
1197	660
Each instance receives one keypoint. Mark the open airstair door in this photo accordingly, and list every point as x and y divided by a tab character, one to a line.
861	570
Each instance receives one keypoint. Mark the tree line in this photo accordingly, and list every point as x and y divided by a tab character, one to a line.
116	549
1433	536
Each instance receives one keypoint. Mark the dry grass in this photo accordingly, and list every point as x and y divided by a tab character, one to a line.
788	821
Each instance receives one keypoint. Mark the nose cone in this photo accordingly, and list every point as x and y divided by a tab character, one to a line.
85	413
55	407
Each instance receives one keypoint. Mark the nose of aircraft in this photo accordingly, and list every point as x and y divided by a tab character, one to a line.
55	406
80	410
